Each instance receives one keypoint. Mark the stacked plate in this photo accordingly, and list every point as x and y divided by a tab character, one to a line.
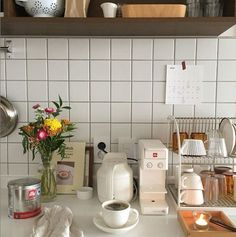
228	131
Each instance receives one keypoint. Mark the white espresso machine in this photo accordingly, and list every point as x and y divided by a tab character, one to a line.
153	164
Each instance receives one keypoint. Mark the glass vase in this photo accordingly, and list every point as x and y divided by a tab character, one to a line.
48	182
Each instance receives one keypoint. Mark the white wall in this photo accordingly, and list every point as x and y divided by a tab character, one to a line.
115	86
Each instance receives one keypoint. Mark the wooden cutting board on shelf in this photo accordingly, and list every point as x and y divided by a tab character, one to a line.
153	10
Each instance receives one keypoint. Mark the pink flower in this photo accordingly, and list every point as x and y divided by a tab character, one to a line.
49	110
42	134
36	106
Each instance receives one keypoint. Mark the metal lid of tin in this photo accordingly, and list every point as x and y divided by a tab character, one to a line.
23	182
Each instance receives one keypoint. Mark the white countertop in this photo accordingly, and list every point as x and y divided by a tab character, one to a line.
85	210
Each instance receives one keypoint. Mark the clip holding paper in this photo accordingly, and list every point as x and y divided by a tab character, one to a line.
183	65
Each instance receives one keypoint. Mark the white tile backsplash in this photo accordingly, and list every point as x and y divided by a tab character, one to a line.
57	49
142	49
36	48
115	86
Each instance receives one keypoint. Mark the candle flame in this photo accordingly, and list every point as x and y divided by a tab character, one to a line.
201	220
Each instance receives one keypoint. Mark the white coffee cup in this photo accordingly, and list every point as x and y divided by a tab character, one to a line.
192	197
191	181
115	213
109	9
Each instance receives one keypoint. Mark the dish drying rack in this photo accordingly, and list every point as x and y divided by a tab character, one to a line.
196	125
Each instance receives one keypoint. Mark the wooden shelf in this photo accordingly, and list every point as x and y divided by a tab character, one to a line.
17	22
115	26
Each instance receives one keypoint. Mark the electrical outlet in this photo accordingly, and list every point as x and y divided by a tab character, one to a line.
98	154
128	146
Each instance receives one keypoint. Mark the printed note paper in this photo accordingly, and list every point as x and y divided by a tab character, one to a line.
184	86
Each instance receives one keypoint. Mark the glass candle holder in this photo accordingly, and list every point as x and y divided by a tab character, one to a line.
201	220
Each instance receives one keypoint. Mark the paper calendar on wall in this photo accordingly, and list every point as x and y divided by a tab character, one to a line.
184	86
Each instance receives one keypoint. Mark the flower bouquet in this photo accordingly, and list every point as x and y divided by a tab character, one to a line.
44	136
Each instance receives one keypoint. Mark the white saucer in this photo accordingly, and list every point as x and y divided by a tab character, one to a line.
132	222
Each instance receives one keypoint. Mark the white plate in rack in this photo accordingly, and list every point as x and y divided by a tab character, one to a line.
228	132
132	222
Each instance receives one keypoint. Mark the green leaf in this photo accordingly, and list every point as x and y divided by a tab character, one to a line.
56	104
66	107
60	100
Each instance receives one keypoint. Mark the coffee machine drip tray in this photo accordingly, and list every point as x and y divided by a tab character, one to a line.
154	207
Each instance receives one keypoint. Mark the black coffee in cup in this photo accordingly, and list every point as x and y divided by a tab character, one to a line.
117	206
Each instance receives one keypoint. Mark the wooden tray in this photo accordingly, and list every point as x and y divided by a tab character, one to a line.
186	220
153	10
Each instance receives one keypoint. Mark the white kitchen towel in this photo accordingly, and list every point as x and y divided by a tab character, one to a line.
56	222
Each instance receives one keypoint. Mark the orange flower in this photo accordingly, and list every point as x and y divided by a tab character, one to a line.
28	128
65	122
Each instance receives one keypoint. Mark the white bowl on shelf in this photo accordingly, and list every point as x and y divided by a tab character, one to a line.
193	147
43	8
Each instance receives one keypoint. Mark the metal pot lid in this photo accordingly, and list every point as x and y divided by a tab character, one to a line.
8	117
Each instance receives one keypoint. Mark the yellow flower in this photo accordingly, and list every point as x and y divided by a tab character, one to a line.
52	126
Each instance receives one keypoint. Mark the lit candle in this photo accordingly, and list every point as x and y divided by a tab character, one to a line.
201	223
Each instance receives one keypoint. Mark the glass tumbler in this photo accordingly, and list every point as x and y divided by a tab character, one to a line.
211	192
222	185
213	8
194	8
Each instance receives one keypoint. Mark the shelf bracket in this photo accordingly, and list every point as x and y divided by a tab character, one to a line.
7	48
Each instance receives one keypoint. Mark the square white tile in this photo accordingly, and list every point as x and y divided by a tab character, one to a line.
37	70
15	153
209	68
100	91
100	130
82	133
207	48
206	96
2	71
33	169
121	48
225	110
100	112
79	70
79	91
159	92
58	88
19	51
100	70
120	130
37	91
226	70
227	48
142	91
36	48
159	69
161	112
205	110
14	136
21	108
58	70
141	112
18	169
121	112
164	49
183	110
226	92
142	49
100	48
120	70
159	132
79	112
3	170
121	91
16	90
57	48
185	49
141	131
15	69
78	48
142	71
3	152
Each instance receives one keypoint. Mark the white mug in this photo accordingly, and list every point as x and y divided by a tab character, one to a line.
192	197
191	181
115	213
109	9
